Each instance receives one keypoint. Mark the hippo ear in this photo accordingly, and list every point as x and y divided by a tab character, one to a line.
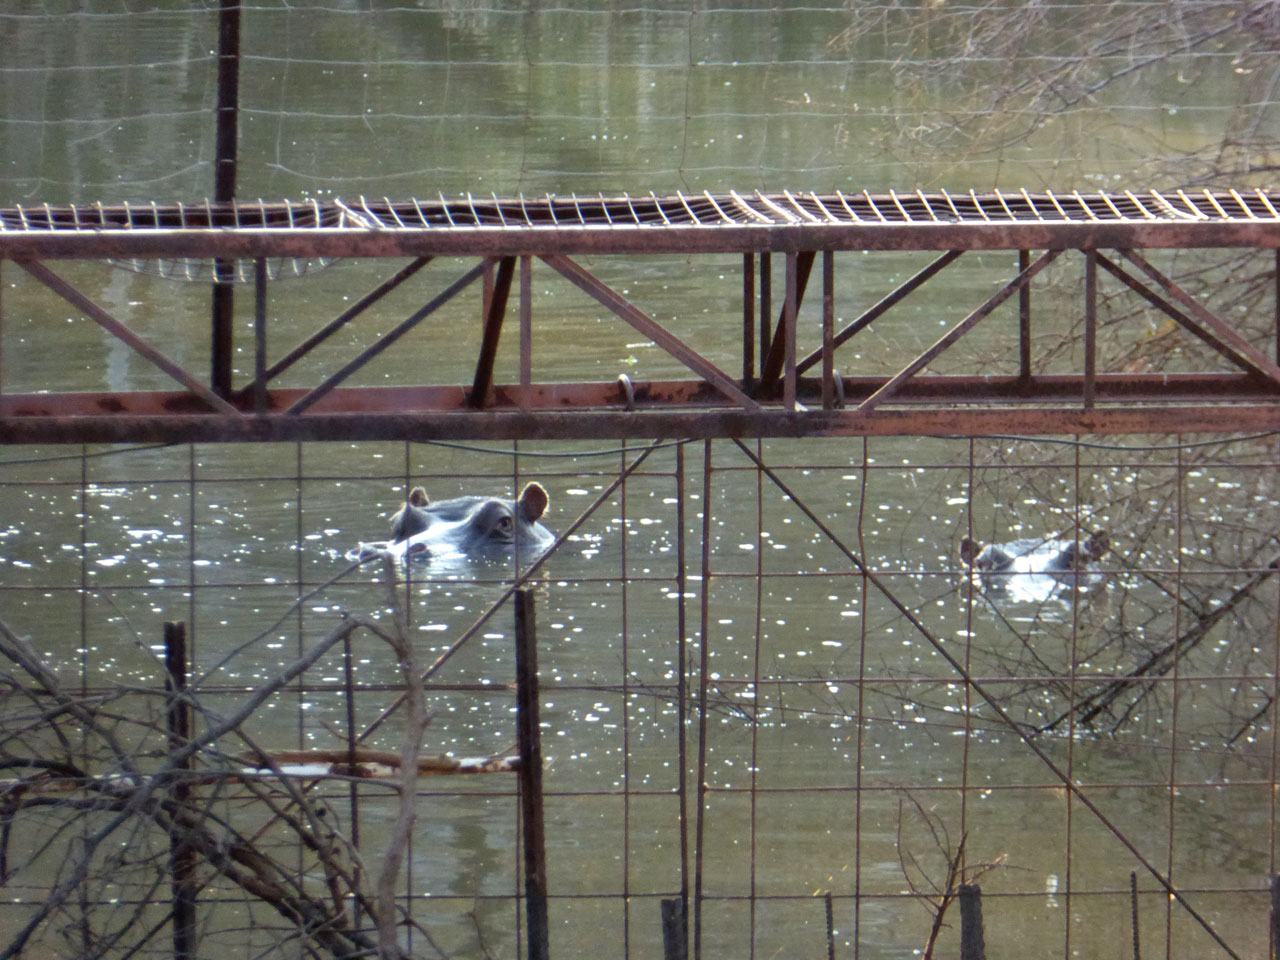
418	497
533	502
969	550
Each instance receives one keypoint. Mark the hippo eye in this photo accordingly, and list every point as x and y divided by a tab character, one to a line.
504	525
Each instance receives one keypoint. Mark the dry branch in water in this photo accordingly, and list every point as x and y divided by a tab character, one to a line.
90	777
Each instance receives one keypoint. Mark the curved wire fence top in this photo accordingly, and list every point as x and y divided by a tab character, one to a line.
112	102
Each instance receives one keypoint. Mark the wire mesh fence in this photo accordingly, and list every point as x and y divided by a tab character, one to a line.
770	688
796	698
112	101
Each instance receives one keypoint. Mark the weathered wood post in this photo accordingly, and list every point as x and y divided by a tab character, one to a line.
529	737
675	932
831	928
1275	917
1133	911
182	858
972	943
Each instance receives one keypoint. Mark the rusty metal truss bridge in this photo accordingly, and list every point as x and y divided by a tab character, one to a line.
778	389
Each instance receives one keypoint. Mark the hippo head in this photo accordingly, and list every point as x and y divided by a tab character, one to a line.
1035	570
464	527
479	524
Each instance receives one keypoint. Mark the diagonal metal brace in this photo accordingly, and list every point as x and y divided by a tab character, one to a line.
492	330
121	332
392	336
1246	354
357	308
959	330
874	313
633	315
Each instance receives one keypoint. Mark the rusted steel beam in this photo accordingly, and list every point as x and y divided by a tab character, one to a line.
1223	330
357	308
828	330
222	327
875	312
633	315
693	395
1183	320
1090	326
766	304
787	329
1024	320
959	330
391	337
123	333
495	313
657	424
748	322
526	320
796	287
500	242
259	385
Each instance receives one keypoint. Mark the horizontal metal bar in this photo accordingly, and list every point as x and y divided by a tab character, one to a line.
545	240
655	424
1153	388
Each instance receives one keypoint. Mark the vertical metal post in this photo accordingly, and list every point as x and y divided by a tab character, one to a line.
972	942
224	189
182	860
1277	302
526	320
486	295
1024	322
790	308
828	328
2	329
682	698
748	321
228	118
529	737
703	671
260	335
766	308
1090	326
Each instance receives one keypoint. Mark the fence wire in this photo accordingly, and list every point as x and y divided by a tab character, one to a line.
769	684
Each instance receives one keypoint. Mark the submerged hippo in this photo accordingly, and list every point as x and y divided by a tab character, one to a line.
472	526
1034	570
